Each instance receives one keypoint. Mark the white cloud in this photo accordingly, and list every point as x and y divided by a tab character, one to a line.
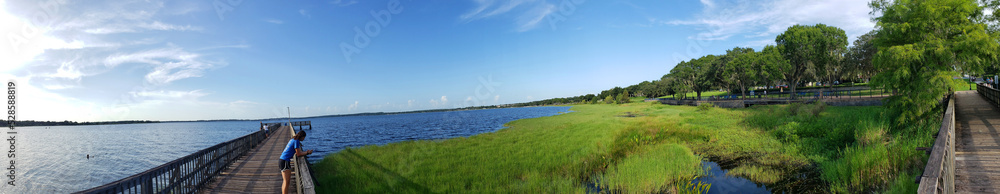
767	19
353	107
409	103
140	27
496	99
39	104
708	3
176	94
23	41
527	14
305	13
224	46
274	21
169	64
444	100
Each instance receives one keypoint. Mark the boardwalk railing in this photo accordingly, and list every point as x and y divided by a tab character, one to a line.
301	123
800	95
187	174
990	94
939	174
306	184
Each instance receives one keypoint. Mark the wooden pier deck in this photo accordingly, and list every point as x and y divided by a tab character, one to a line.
977	147
257	171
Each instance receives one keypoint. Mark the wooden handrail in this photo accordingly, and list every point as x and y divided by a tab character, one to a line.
303	173
990	94
939	174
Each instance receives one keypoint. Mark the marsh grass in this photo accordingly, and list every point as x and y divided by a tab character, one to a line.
646	171
855	147
658	151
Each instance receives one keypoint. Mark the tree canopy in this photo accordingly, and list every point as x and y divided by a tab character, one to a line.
697	75
809	51
920	45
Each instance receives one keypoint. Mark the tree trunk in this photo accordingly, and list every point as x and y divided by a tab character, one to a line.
743	91
791	87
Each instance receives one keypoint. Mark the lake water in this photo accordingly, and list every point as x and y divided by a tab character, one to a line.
54	159
725	183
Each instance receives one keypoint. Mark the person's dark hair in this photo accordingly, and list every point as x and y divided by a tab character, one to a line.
300	136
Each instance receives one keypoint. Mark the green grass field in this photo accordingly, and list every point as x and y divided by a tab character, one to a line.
658	151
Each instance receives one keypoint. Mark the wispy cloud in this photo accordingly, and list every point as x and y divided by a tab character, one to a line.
304	13
765	19
162	94
170	64
155	25
343	3
239	46
273	21
526	14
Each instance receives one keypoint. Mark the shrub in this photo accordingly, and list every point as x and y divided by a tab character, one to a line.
705	106
793	109
817	108
609	99
624	98
787	132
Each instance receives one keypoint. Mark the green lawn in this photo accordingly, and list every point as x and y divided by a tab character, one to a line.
660	150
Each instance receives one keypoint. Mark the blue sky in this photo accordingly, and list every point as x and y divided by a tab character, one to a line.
189	60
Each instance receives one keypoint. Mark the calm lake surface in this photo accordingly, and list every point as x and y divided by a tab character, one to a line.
725	183
54	159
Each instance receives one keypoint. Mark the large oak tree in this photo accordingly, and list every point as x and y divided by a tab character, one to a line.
810	50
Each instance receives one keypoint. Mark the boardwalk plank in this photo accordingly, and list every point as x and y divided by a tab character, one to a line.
256	172
977	148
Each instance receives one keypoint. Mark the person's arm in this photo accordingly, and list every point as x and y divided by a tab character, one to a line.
299	152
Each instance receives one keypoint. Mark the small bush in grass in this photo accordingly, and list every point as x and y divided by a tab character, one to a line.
817	108
787	132
793	109
705	106
870	134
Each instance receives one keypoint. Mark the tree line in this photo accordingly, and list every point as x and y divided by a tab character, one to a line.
916	50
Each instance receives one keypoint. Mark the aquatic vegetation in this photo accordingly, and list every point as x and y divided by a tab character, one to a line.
660	149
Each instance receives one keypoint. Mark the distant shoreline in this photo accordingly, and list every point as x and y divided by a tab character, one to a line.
32	123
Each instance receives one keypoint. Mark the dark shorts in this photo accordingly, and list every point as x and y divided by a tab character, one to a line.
285	165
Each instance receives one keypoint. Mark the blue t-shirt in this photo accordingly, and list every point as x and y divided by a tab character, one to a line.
290	149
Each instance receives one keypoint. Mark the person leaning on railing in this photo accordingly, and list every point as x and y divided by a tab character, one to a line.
293	149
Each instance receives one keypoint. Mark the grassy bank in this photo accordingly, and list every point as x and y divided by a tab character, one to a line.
846	149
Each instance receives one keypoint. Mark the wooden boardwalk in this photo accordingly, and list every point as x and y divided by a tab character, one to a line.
977	148
257	171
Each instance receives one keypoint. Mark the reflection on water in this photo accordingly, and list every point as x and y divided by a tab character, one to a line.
724	183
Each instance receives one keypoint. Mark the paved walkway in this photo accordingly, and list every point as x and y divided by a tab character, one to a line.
977	148
256	172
